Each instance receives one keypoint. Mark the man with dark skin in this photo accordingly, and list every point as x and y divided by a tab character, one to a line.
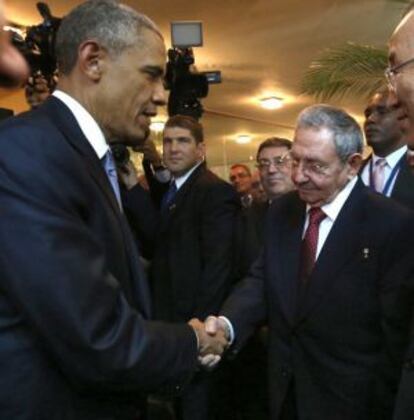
384	127
76	340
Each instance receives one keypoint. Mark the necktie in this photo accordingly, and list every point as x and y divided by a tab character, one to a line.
110	169
378	174
169	196
310	243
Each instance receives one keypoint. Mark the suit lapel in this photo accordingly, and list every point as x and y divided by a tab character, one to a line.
342	243
169	213
68	126
289	246
404	182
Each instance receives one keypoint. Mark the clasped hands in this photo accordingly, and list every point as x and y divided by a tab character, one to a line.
213	339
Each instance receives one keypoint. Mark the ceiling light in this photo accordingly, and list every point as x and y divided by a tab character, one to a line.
272	102
243	139
157	126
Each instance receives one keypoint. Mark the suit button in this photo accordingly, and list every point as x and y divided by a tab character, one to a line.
178	388
285	372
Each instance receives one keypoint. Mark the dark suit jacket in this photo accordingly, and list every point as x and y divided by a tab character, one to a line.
250	235
75	342
341	345
193	261
403	190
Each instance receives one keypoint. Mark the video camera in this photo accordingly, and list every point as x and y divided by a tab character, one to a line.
38	46
186	85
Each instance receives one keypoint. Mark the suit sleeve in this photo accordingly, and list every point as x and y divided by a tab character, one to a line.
396	271
56	279
143	218
246	306
217	232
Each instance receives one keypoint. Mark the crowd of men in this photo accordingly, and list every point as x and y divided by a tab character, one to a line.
209	301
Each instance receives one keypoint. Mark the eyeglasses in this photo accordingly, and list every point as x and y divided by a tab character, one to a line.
391	72
279	162
311	167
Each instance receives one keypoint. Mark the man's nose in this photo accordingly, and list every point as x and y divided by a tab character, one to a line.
159	96
298	175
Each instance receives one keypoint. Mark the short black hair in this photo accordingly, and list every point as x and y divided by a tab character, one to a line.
190	123
274	142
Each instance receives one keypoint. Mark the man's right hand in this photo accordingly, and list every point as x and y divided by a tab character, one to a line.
209	344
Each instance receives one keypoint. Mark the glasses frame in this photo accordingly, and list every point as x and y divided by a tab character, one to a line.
283	160
391	72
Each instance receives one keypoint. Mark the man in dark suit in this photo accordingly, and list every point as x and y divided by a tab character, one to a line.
401	84
242	180
75	340
193	260
334	257
249	369
387	170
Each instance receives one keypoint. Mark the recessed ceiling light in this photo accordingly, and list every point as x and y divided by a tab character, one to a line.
157	126
272	102
243	139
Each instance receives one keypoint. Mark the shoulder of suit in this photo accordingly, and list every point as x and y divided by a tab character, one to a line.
378	205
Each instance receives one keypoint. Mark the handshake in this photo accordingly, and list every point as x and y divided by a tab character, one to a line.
213	339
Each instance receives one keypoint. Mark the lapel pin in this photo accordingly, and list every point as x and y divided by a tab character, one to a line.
365	253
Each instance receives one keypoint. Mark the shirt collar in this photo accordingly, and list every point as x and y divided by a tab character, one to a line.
87	124
333	208
179	181
393	158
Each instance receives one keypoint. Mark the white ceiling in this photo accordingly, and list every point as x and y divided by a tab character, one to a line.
262	47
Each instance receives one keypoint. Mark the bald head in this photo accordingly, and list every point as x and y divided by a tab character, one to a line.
401	60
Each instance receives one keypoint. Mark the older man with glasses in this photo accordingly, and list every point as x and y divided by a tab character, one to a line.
400	76
334	256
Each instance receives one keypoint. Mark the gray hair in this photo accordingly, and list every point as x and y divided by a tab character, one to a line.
114	26
346	133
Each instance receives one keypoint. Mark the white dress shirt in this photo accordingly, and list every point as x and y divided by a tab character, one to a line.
331	210
87	124
392	161
180	181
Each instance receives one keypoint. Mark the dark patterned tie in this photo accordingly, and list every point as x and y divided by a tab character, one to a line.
168	197
310	243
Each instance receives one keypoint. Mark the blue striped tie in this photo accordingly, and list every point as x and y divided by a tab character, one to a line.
110	169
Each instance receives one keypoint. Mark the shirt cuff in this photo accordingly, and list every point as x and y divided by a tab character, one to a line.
229	328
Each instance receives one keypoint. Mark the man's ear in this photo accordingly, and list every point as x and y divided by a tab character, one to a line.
201	147
91	58
355	162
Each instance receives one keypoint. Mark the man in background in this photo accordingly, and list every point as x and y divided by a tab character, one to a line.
387	170
241	179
